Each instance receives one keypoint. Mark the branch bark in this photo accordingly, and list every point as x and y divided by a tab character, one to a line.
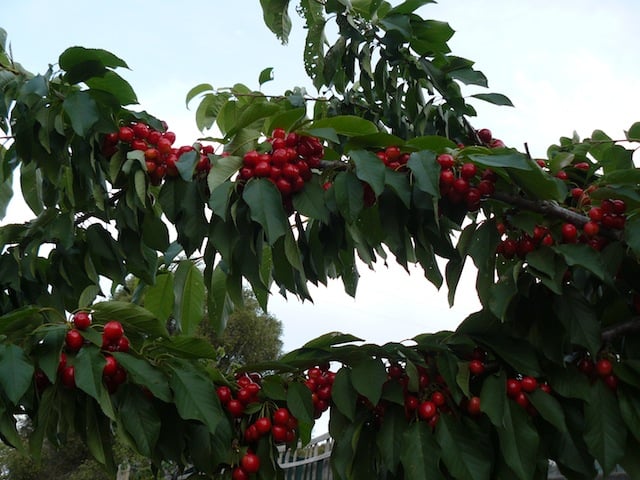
611	333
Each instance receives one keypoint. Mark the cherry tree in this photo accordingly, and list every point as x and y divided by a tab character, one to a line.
294	189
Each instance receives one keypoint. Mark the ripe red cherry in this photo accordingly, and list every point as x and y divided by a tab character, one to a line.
263	425
604	367
113	331
281	416
445	160
68	376
461	185
411	402
239	474
438	399
153	137
164	145
468	170
262	169
611	381
591	229
427	409
126	134
529	384
476	367
141	130
123	344
595	214
393	153
279	433
73	340
224	394
250	463
395	370
110	367
485	135
522	400
171	136
235	407
447	177
81	320
569	232
473	406
513	387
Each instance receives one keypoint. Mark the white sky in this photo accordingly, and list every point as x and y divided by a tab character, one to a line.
565	65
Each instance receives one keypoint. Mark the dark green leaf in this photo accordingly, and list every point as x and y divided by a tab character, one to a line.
159	298
519	441
426	171
633	135
114	84
369	169
495	98
349	195
277	18
420	454
266	75
143	373
195	395
135	319
604	431
493	398
343	394
579	319
299	402
348	125
82	110
310	202
331	339
189	294
77	55
88	375
16	372
549	408
368	377
140	420
222	168
197	90
265	204
464	456
390	437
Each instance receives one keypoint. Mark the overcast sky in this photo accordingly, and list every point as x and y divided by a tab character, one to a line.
565	65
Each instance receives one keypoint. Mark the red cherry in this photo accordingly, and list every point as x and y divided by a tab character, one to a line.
576	193
411	403
137	144
250	463
529	384
68	376
473	406
468	170
586	366
445	160
281	416
126	134
239	474
569	232
113	331
279	133
427	409
591	229
164	145
263	425
153	137
262	169
81	320
110	367
562	175
476	367
224	394
595	214
171	136
513	387
522	400
279	433
619	206
438	399
582	165
611	381
73	340
235	407
485	135
395	370
141	130
604	367
393	153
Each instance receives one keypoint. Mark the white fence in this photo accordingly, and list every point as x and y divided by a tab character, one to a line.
308	463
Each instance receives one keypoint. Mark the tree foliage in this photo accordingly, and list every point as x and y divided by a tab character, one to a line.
296	190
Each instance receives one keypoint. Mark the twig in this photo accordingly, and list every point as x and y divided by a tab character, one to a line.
611	333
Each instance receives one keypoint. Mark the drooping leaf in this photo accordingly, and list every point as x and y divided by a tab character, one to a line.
189	296
265	205
495	98
82	110
139	419
16	372
368	377
145	374
276	18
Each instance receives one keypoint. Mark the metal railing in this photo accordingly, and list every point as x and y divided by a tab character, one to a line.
310	462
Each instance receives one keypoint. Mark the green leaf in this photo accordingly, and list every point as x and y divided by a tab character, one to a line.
406	7
266	75
299	402
390	438
331	339
464	456
495	98
135	319
99	437
16	372
276	18
369	169
368	377
633	135
430	142
310	202
426	172
194	395
159	298
77	55
519	441
583	256
549	408
420	454
89	363
579	319
348	125
219	303
349	195
605	432
31	186
222	168
630	410
265	205
82	110
143	373
186	165
197	90
493	398
139	419
6	194
343	394
114	84
189	294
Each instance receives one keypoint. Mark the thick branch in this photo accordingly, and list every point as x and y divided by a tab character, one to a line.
611	333
545	207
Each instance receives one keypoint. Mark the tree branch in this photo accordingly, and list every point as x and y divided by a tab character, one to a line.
611	333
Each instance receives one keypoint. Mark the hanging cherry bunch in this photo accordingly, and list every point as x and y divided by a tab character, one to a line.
319	380
462	182
160	156
288	165
113	340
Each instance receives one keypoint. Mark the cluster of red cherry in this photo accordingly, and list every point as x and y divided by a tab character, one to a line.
601	369
288	165
319	380
463	183
159	154
113	340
